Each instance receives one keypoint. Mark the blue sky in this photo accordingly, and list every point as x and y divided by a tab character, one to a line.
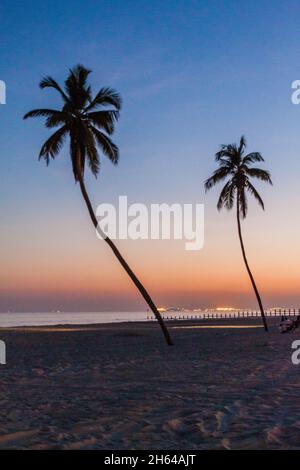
192	74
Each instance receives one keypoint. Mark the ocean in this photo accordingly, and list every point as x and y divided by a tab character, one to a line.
73	318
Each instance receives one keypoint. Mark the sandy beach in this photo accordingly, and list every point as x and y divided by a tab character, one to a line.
120	387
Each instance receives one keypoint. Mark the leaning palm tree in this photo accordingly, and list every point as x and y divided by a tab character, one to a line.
88	122
235	165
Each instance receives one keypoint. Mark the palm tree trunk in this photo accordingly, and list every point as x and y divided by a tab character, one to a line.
120	258
248	269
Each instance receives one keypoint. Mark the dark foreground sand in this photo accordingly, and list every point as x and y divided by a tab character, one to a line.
120	387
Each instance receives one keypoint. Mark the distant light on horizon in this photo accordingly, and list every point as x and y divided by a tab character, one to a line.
226	309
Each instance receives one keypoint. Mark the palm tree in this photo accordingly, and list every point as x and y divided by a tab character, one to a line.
88	122
235	165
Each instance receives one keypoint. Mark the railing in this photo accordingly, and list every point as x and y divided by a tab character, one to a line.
233	314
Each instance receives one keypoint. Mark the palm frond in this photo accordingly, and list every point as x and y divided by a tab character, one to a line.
227	196
253	157
49	82
53	145
255	193
105	97
227	152
89	142
80	73
260	174
104	119
57	119
242	145
109	149
40	113
76	87
218	175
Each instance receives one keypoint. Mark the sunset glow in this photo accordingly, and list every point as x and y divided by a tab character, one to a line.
50	255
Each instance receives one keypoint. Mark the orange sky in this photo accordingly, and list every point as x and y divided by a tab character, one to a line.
58	265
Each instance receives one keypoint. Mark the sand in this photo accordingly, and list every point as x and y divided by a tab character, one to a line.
120	387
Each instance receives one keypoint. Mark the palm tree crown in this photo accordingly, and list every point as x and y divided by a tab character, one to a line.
235	165
85	119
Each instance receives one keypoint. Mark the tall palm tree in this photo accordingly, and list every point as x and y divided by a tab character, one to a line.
88	122
236	166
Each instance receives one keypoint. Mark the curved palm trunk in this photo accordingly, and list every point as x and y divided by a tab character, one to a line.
249	271
120	258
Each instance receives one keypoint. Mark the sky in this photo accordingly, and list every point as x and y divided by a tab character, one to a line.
192	75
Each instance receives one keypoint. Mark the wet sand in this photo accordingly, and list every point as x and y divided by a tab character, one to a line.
120	387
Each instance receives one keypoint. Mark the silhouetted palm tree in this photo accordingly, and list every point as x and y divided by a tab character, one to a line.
235	165
87	121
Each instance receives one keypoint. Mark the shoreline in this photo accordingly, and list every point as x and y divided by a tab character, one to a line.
174	323
119	386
